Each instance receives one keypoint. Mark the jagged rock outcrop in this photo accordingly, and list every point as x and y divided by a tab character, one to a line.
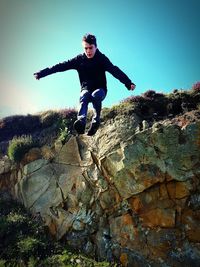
126	194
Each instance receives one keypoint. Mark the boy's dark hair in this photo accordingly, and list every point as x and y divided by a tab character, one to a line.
90	39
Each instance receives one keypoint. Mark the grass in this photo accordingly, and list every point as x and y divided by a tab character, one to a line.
158	106
19	133
18	146
18	125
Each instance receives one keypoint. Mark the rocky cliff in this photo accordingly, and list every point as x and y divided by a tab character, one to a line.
131	193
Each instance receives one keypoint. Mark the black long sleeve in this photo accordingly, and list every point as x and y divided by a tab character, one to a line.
117	73
63	66
91	71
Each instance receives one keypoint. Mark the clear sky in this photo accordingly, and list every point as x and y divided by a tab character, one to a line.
155	42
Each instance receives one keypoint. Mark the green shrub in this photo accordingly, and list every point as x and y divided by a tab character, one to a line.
25	241
63	131
69	259
29	246
2	263
68	116
21	235
18	146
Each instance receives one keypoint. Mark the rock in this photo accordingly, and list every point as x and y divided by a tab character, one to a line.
8	181
109	199
194	201
191	219
179	189
122	230
39	189
161	241
32	155
130	258
34	166
59	220
158	217
123	194
69	153
104	244
5	165
47	153
188	255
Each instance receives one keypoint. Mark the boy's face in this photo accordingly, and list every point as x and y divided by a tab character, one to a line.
89	49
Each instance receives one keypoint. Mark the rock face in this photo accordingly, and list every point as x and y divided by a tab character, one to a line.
126	195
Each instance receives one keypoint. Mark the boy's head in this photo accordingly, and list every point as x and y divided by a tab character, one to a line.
90	39
89	43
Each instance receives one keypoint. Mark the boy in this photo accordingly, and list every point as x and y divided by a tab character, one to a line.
91	67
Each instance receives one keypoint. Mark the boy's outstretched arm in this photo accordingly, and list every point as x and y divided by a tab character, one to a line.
42	73
119	74
66	65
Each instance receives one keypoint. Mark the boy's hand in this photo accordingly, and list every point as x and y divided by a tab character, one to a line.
37	77
132	87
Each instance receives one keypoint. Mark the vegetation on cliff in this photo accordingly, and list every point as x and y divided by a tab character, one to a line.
19	133
151	105
25	241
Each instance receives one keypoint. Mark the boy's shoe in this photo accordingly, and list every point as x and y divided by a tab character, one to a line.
93	128
79	126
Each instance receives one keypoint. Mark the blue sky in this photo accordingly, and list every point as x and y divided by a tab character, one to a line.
155	42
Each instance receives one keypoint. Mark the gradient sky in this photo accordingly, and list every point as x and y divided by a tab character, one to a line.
155	42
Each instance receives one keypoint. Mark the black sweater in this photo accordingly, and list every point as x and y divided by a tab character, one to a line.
91	71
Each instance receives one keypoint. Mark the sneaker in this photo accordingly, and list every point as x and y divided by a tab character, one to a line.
93	128
79	126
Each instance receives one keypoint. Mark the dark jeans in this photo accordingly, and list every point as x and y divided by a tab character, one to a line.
96	99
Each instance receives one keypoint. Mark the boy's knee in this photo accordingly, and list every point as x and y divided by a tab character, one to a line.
98	95
85	96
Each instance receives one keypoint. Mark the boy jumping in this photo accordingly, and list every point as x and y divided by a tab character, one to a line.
91	67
